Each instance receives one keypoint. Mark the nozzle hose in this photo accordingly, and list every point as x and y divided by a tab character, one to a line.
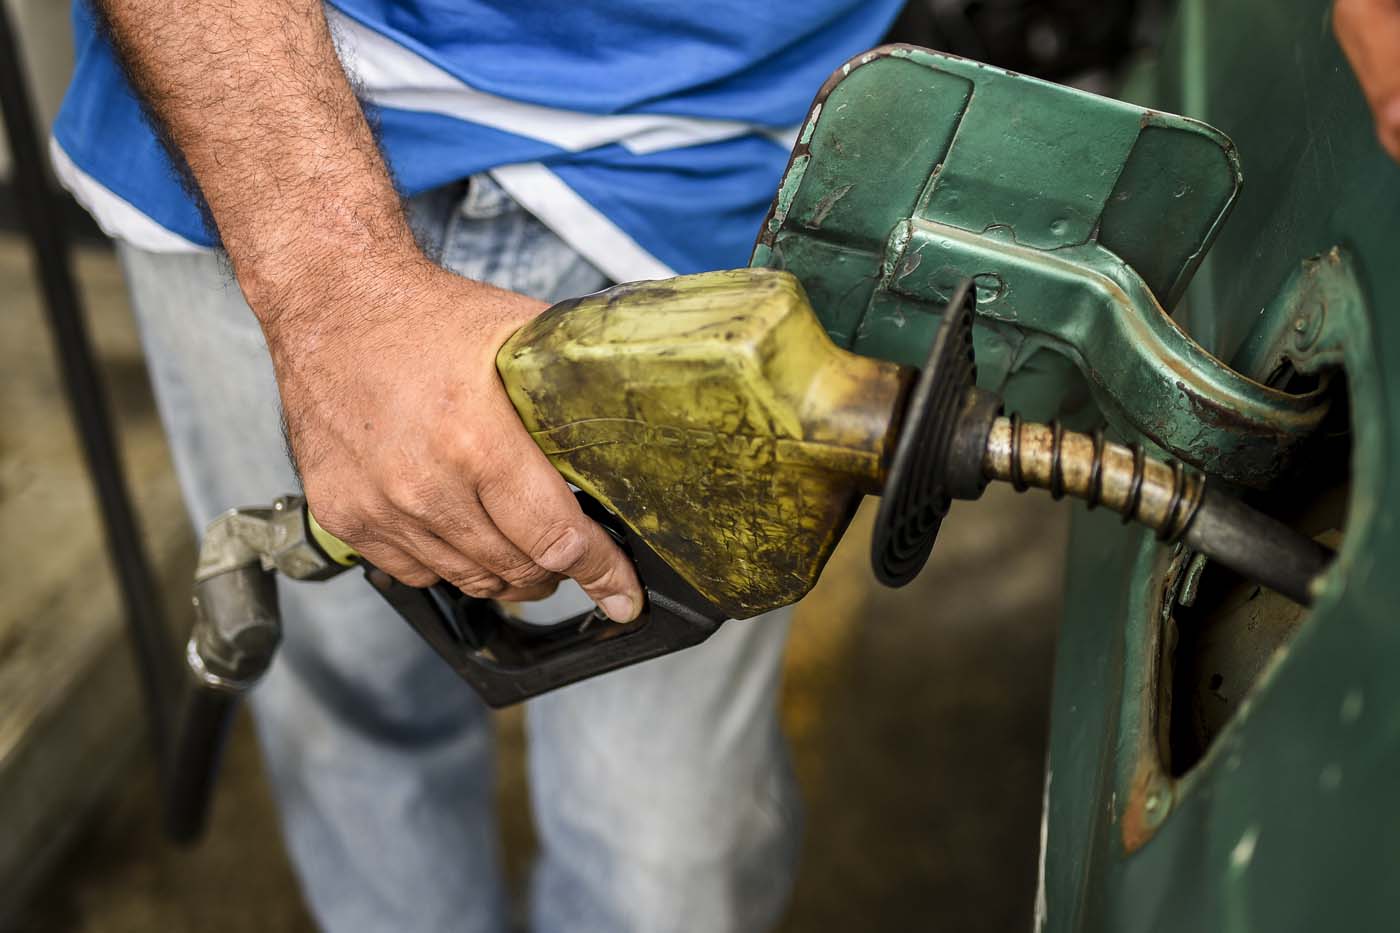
235	635
1166	497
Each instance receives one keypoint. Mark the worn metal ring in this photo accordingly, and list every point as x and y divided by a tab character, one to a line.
1057	466
1096	471
1018	481
1168	531
1135	491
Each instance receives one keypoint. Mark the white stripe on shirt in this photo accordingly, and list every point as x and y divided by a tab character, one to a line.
534	187
578	223
392	75
117	217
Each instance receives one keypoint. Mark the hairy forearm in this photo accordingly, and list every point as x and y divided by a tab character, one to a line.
254	97
408	445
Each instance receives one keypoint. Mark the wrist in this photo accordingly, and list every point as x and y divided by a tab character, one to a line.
321	276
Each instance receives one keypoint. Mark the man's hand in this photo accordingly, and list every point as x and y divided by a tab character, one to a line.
411	451
1369	33
409	448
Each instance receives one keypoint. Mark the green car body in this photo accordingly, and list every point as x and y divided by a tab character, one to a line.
1288	820
1221	288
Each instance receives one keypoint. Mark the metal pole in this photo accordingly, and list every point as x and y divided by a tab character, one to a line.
48	238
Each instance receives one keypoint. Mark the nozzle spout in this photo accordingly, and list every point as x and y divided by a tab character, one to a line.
1175	502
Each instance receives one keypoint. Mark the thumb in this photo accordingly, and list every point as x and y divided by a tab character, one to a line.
588	554
533	507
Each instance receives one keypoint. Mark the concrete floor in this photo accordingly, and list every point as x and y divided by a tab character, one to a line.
918	716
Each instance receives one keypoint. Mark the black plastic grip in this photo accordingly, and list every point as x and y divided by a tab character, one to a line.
507	660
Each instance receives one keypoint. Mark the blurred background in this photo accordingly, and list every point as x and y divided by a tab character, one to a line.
918	717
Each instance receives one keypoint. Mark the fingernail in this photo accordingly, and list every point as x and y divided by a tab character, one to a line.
619	608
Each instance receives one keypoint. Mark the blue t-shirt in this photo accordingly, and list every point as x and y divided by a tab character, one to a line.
649	134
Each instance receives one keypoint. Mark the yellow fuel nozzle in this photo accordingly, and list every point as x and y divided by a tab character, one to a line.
714	417
713	414
712	425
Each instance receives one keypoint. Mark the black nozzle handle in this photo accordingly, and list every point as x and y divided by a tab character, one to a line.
507	661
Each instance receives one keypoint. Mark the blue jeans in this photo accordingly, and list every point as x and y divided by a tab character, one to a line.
662	794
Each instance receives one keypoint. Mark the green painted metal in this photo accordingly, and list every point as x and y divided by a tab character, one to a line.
1086	224
1308	325
1079	217
1290	821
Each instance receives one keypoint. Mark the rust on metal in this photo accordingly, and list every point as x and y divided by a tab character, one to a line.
1162	496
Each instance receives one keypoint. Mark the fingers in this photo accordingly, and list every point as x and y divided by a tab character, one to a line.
397	564
376	547
428	469
482	562
1369	33
525	581
468	530
528	594
510	575
533	507
425	559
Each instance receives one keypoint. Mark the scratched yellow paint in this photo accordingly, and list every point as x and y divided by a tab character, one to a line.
714	415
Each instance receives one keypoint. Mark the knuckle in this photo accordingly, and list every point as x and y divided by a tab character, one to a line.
560	546
469	447
491	476
399	566
523	572
409	496
419	577
463	526
479	583
610	580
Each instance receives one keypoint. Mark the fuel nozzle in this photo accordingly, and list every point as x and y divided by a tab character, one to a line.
714	429
954	439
